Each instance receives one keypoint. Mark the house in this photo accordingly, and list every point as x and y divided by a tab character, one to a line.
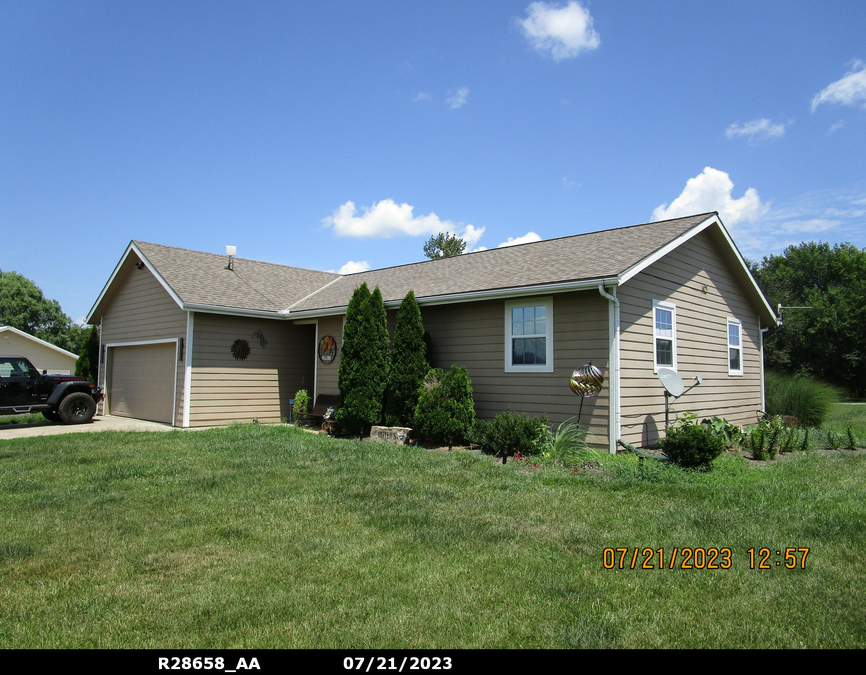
196	339
43	355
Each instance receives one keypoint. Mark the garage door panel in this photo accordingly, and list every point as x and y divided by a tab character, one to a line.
142	382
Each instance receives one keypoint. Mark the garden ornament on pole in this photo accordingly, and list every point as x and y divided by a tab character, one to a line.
586	381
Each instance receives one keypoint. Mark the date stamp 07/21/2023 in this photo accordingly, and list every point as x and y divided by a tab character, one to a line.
700	558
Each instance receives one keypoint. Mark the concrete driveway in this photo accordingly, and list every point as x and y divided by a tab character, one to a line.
99	423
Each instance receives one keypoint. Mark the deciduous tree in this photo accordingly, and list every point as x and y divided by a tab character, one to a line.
23	306
444	245
829	340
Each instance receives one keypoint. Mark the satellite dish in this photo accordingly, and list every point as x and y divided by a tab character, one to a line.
671	381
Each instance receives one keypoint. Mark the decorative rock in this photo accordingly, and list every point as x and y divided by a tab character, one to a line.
395	435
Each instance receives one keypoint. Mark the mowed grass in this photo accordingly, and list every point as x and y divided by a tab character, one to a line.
268	537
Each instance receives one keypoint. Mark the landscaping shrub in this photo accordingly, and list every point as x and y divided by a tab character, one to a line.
408	364
729	432
510	432
805	398
692	446
445	407
363	367
302	403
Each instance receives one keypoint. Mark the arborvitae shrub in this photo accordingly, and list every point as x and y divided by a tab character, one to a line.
445	407
363	367
408	364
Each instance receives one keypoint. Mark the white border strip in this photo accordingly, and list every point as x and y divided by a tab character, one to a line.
187	368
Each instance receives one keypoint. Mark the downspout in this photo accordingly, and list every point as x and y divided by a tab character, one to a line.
613	333
763	391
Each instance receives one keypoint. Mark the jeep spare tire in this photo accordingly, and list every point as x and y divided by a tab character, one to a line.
77	408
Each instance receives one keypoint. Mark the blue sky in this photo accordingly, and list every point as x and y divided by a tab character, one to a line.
325	135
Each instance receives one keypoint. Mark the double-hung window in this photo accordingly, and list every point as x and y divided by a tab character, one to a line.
529	335
735	347
664	335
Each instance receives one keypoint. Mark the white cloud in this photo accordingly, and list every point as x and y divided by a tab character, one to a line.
810	226
351	267
711	191
386	219
563	32
756	129
527	238
457	99
836	127
422	96
850	90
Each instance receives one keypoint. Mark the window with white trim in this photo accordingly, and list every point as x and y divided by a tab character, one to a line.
529	335
735	347
664	335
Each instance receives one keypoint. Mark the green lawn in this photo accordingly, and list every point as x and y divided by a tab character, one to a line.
265	536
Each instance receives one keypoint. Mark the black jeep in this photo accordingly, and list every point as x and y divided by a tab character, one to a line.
61	398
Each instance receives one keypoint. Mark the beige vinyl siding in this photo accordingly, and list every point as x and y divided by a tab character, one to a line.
139	309
701	340
42	357
225	390
473	335
327	372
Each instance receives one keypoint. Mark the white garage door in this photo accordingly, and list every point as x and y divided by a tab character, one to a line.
141	381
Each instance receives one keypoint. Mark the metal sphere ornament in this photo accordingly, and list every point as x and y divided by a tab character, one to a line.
586	381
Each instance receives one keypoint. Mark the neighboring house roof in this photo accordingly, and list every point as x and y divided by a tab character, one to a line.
201	281
10	329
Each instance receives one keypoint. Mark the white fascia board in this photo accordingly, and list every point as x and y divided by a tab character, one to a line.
679	241
477	296
3	329
748	273
108	283
667	248
143	258
163	282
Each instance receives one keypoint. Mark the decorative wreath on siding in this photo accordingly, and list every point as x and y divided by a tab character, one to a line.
327	349
240	349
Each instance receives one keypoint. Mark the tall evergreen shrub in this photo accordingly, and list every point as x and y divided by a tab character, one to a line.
363	370
88	360
408	364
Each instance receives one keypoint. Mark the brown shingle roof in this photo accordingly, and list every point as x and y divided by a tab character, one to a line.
596	255
202	279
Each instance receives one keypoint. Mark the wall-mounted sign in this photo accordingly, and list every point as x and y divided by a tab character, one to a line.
240	349
327	349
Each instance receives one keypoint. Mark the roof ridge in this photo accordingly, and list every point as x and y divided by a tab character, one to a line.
219	255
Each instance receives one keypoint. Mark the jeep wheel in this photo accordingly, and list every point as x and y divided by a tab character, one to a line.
51	416
77	408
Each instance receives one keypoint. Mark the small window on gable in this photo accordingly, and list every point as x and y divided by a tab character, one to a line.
664	335
529	335
735	347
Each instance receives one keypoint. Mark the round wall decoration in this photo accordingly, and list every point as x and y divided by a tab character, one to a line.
327	349
240	349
